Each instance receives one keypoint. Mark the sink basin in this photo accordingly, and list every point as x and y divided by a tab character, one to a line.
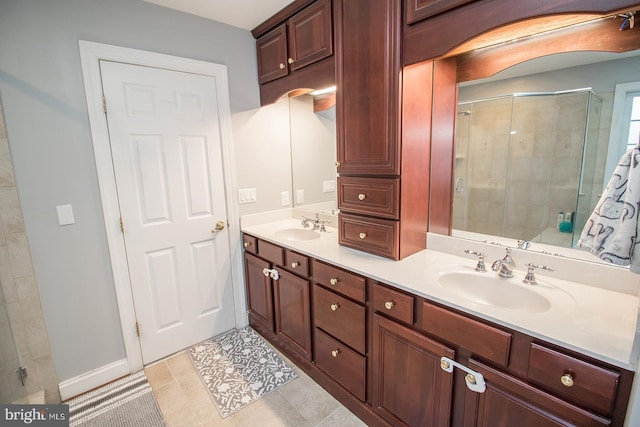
492	291
297	234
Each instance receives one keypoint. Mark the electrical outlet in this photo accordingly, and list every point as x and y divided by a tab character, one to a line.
284	198
247	195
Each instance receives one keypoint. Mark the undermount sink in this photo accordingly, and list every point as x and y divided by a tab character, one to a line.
492	291
297	234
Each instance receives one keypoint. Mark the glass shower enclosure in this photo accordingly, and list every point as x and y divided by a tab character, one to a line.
526	165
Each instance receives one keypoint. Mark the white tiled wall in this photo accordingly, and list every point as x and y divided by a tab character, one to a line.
21	301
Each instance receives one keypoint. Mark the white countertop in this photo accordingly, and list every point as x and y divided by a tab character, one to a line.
595	321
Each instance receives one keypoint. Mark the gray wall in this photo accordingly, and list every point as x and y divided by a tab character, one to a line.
48	128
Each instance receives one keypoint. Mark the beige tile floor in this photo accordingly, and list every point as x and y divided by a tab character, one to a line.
185	402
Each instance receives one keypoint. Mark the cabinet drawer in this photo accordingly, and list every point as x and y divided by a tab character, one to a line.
574	379
369	196
338	280
376	236
250	243
340	317
296	263
344	365
271	252
481	339
393	303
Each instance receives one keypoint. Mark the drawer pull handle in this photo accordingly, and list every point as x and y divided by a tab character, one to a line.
335	352
470	378
362	196
363	235
389	305
290	61
247	244
295	264
334	306
334	281
444	364
567	380
282	66
266	272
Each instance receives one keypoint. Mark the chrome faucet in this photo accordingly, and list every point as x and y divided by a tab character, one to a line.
317	223
504	266
530	278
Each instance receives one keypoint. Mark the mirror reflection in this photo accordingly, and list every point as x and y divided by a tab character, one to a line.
313	155
533	148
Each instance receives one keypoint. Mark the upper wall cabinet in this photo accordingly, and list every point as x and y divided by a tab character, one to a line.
421	9
287	44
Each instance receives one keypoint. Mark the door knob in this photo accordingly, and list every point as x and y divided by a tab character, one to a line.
219	226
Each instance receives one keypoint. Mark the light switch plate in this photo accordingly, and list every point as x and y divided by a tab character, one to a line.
299	196
284	198
65	215
247	195
328	186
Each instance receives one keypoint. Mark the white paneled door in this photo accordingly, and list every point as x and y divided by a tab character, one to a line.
164	130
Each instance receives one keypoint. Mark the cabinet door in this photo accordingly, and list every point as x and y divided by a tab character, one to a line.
310	35
368	76
272	55
409	387
418	10
509	401
259	290
293	319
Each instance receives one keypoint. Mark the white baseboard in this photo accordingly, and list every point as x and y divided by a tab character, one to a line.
92	379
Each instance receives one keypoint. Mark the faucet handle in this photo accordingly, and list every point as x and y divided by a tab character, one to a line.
530	278
305	222
523	244
480	266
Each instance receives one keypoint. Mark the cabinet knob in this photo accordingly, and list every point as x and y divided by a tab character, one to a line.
363	235
335	352
334	281
247	244
444	364
471	379
389	305
266	272
567	380
362	196
337	164
335	306
290	61
295	264
282	66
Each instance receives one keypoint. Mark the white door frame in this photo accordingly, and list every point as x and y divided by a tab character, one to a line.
90	55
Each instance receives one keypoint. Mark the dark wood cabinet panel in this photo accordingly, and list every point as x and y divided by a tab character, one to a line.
296	263
272	55
369	196
409	387
259	290
573	379
292	312
310	35
271	252
368	76
338	280
393	303
509	401
374	235
346	366
340	317
418	10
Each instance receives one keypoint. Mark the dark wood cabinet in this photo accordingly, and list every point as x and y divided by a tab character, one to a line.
287	44
259	291
409	387
392	177
291	309
418	10
378	350
509	401
278	300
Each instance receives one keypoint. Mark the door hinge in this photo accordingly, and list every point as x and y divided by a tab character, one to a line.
122	225
138	329
104	104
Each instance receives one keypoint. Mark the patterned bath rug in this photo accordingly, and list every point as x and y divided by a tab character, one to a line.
239	368
127	402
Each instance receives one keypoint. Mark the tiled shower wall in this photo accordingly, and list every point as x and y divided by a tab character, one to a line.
526	150
21	302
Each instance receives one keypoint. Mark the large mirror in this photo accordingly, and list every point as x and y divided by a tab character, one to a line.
313	154
536	144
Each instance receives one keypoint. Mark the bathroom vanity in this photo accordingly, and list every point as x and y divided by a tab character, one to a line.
410	343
